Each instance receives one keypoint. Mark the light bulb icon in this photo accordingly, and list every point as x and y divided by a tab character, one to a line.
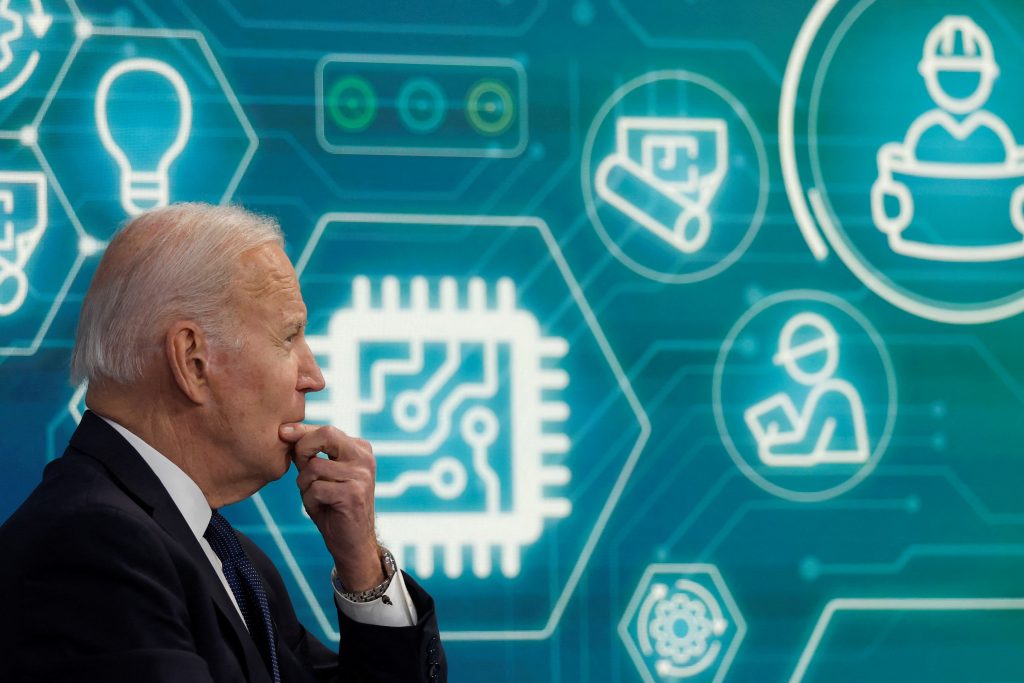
143	185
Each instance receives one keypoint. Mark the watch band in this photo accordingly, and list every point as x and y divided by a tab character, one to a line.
387	562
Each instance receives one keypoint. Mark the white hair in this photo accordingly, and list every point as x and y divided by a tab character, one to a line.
173	263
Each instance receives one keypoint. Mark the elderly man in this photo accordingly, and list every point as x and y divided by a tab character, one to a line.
119	566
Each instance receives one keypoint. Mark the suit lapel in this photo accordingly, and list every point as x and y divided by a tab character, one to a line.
99	440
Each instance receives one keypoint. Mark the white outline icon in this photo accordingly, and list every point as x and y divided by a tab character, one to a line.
88	34
488	147
19	245
675	626
151	187
39	23
773	432
667	145
814	48
748	461
900	160
565	587
448	413
692	606
621	226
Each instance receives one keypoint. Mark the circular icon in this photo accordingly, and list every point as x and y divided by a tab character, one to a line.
681	626
804	395
489	107
903	150
675	176
421	105
352	103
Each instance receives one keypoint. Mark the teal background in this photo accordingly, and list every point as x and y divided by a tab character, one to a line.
939	517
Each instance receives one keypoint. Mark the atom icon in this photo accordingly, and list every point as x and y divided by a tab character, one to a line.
682	626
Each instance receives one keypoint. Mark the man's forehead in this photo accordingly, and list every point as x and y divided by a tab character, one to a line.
265	258
266	279
266	268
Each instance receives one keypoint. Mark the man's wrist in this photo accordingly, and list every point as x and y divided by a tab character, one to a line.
388	569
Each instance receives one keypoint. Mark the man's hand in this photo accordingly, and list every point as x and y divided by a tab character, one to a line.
337	493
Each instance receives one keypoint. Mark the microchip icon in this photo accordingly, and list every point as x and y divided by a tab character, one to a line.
458	391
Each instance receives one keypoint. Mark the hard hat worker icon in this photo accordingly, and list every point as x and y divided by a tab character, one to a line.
914	176
958	45
831	426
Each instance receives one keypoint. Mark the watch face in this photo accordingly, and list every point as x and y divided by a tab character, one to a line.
387	561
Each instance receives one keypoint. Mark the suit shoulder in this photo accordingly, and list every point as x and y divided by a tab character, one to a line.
73	482
75	506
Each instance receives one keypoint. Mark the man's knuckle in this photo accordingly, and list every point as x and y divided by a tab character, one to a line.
321	489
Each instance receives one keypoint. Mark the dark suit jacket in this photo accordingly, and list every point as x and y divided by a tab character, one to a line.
101	579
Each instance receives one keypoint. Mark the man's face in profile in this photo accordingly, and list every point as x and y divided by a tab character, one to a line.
263	384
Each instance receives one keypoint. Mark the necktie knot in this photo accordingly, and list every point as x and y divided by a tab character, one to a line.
222	538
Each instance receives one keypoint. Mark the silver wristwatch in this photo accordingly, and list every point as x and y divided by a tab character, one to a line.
387	562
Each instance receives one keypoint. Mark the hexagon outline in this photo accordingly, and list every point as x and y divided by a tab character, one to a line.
625	387
892	605
62	294
44	326
669	568
58	301
78	18
86	30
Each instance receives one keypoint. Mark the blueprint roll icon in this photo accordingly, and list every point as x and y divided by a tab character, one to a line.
675	176
804	395
927	208
667	190
453	383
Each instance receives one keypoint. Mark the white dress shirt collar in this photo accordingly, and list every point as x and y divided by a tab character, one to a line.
192	504
185	493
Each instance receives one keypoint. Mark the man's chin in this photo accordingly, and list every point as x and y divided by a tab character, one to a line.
283	464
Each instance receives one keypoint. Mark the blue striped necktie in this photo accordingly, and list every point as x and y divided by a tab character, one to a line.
248	589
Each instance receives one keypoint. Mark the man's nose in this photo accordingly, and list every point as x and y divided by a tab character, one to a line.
310	377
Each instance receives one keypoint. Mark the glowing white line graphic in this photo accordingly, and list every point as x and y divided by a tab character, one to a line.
151	187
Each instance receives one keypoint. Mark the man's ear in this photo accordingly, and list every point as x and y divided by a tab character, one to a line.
188	357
